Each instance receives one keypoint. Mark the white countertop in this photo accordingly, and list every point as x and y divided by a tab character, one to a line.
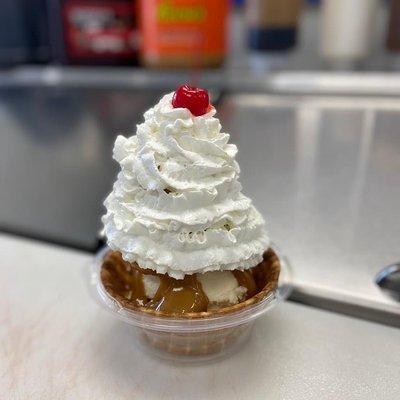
57	344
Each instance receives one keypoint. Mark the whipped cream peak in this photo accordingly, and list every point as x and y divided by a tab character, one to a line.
176	206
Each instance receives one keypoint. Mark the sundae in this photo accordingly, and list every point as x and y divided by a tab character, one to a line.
184	241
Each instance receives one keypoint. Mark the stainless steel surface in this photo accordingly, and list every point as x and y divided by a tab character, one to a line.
325	172
55	158
295	352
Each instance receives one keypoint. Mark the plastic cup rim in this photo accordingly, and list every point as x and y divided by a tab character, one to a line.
202	324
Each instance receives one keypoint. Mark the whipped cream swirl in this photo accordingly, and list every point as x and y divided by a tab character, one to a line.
177	206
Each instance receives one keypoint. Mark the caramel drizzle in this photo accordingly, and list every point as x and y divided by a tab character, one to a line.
179	296
173	295
246	279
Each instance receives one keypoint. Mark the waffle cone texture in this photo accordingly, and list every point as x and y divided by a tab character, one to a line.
200	343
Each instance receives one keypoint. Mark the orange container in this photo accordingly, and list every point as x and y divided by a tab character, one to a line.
183	33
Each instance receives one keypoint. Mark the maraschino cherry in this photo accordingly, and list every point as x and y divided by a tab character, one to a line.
195	99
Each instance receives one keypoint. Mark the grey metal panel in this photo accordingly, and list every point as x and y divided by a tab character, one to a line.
325	172
56	162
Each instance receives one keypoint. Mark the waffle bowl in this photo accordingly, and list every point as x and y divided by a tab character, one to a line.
195	336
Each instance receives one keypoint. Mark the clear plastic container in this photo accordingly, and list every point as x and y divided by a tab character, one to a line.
195	339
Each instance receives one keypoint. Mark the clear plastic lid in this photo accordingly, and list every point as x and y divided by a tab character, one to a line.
201	324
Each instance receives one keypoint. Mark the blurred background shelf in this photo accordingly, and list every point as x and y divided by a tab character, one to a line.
284	82
297	70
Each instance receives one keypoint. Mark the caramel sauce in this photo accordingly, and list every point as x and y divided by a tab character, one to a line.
246	279
179	296
173	295
131	281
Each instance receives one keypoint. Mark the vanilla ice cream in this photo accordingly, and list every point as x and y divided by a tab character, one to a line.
151	284
220	287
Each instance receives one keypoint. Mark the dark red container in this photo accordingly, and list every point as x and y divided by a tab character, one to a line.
100	32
